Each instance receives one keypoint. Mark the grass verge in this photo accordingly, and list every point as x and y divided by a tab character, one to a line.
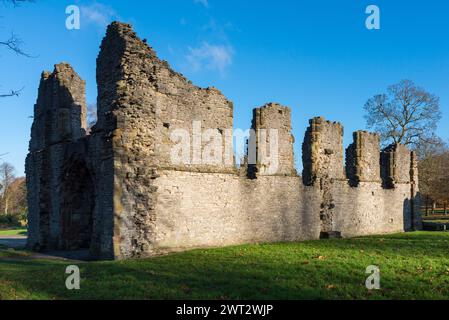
412	265
13	232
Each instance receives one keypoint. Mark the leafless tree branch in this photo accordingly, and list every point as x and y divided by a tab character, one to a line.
14	44
406	114
13	93
16	3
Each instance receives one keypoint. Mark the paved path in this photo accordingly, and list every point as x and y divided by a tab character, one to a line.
15	242
19	242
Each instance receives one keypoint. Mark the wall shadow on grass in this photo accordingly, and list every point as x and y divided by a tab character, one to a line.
331	269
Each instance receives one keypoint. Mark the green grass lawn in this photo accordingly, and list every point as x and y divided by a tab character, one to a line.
13	232
412	265
436	217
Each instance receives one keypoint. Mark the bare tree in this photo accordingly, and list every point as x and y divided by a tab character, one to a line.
6	179
91	115
433	177
17	201
16	3
14	43
406	114
433	146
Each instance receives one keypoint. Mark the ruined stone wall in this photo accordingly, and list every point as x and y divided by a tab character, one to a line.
271	127
396	165
59	120
130	189
205	209
140	102
323	151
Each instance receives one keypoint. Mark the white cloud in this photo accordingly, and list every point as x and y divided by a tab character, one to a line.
205	3
210	57
98	14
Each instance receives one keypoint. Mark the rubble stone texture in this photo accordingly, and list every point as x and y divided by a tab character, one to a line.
116	190
363	158
272	116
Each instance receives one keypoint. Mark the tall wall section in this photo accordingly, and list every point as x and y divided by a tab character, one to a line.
270	146
141	102
59	120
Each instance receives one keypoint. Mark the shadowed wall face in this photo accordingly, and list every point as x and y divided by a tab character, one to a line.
59	120
118	191
363	158
77	206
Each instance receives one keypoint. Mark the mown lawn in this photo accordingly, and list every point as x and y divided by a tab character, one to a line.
13	232
412	265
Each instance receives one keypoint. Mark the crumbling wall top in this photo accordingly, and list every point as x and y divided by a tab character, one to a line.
60	110
323	151
363	158
272	143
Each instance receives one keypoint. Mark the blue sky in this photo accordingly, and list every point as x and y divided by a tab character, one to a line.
316	57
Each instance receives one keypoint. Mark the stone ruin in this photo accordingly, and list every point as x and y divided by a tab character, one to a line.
114	190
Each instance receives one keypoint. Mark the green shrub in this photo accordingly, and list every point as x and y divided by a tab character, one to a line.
10	220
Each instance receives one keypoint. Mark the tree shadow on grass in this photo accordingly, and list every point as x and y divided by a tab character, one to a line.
330	269
215	274
149	281
431	246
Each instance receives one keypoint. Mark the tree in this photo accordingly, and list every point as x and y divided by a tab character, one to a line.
18	199
433	178
91	115
14	43
432	147
16	3
406	115
6	179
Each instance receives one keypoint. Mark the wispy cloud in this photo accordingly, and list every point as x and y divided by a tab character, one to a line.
210	57
205	3
98	14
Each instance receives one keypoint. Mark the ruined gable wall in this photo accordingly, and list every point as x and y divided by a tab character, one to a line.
124	144
141	100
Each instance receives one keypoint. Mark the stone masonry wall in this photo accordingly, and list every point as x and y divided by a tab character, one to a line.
323	166
206	209
271	123
396	165
59	119
363	158
130	188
